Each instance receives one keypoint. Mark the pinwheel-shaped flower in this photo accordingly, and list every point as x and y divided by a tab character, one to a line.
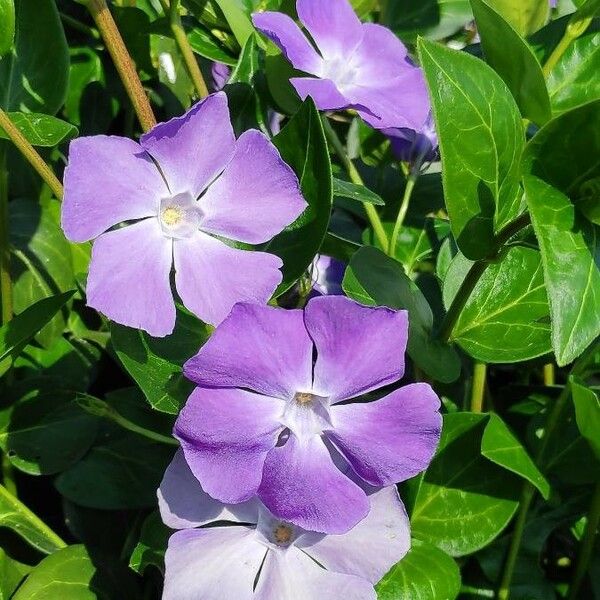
187	184
418	148
266	421
363	66
246	553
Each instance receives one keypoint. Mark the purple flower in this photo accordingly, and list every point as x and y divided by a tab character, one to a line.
220	74
186	182
327	274
415	147
359	65
266	421
245	543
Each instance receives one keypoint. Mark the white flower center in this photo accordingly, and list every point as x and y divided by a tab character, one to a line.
306	414
179	216
342	71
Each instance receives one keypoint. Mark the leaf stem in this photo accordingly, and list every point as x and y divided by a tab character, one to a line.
478	387
6	312
31	155
355	177
408	190
189	59
549	375
123	62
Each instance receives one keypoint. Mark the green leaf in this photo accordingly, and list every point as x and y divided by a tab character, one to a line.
481	140
7	26
506	318
204	44
587	414
155	363
510	56
41	130
376	279
12	573
16	516
501	446
85	69
570	246
34	77
526	16
17	332
463	501
303	147
150	549
425	573
238	20
345	189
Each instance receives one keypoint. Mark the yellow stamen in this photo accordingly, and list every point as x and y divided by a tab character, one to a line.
303	398
283	534
171	215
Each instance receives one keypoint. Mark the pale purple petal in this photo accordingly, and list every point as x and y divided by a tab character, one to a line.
215	563
302	485
257	195
371	548
291	575
391	439
261	348
333	25
211	276
184	504
108	180
323	91
225	435
286	35
220	73
359	348
128	279
193	149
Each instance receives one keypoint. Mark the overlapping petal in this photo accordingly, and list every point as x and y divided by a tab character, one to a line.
324	92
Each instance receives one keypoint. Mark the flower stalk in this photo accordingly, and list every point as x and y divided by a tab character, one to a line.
478	387
408	190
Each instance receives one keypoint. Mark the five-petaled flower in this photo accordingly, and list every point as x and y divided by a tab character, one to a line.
265	420
243	552
362	66
186	185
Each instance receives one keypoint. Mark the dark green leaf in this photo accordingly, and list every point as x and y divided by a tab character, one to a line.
526	16
425	573
587	413
481	140
345	189
570	246
7	25
510	56
150	549
204	44
41	130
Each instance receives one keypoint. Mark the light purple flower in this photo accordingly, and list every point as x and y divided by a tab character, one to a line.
187	181
220	75
415	147
363	66
266	421
223	560
327	274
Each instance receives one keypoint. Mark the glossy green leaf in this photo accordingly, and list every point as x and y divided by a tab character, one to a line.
463	501
34	77
345	189
205	44
85	69
587	414
238	20
526	16
510	56
506	318
151	547
12	573
570	246
41	130
155	363
481	140
7	25
303	146
376	279
425	573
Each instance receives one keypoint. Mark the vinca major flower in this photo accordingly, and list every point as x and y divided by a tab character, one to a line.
269	419
362	66
187	185
243	552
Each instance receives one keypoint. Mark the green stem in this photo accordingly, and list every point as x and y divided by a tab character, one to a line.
355	177
31	155
123	62
408	190
5	279
478	387
189	59
549	375
587	544
79	26
8	476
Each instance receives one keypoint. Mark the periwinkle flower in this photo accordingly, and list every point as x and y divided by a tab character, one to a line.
243	552
362	66
186	185
265	420
220	73
416	147
327	274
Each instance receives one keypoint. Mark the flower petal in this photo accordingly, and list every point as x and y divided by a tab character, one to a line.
359	348
211	276
184	504
257	195
193	149
302	485
323	91
286	35
291	575
333	25
108	180
391	439
371	548
128	279
225	435
261	348
212	564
